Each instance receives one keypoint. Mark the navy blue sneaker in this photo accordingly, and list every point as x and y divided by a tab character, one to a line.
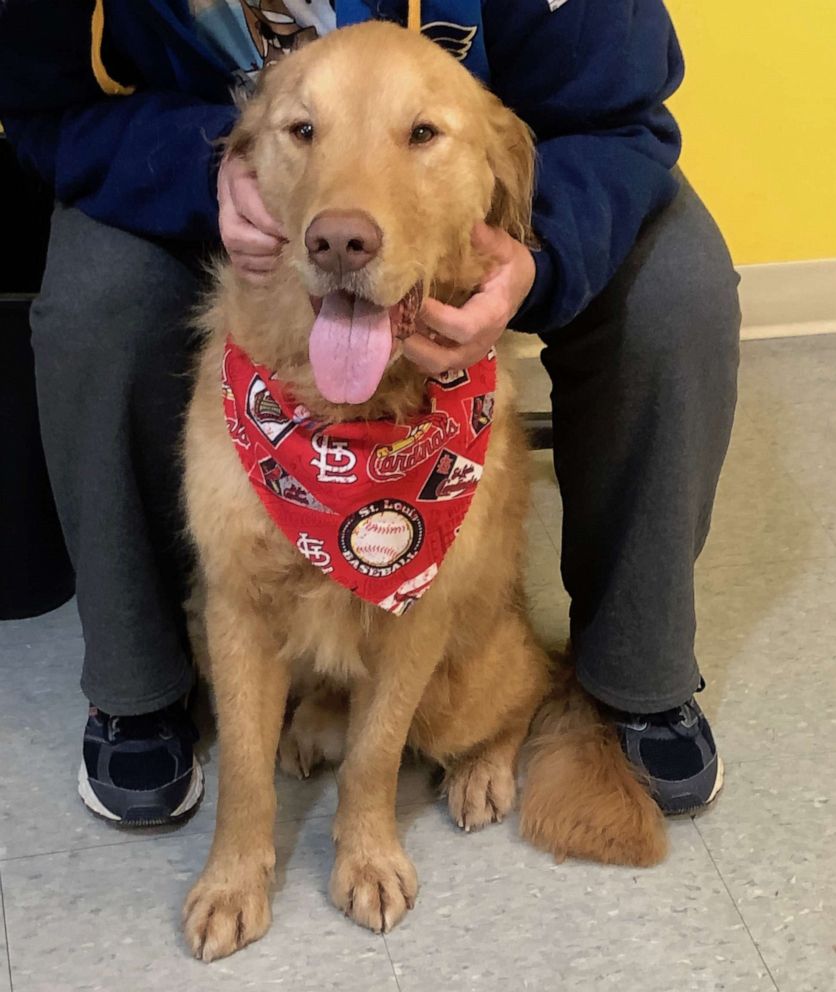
675	751
141	771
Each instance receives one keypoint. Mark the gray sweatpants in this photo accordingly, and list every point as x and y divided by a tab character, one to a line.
643	399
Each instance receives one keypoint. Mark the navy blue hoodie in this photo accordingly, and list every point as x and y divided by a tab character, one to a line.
121	117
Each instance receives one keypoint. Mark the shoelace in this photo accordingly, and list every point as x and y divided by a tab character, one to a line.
146	726
683	720
159	725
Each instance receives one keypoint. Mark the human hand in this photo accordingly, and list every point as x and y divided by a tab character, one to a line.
250	234
469	332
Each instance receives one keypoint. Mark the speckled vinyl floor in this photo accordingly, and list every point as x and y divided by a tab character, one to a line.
746	901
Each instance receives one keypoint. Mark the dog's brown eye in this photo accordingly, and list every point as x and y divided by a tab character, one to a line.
303	130
422	133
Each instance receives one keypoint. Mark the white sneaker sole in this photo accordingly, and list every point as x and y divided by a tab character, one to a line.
718	782
92	801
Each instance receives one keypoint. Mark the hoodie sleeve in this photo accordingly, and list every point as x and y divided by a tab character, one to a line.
590	78
145	163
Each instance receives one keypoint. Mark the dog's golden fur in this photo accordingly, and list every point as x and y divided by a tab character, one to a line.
459	677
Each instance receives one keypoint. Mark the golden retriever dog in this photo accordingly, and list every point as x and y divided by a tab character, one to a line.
377	152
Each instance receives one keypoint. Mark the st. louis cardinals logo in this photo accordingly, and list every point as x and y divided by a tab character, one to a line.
452	476
314	550
382	537
282	483
481	413
334	459
267	415
452	378
408	594
397	459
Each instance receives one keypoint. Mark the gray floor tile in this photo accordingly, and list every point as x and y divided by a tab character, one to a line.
547	600
773	838
761	514
42	713
126	934
495	915
777	374
545	496
418	783
788	388
803	440
765	647
60	623
5	977
534	386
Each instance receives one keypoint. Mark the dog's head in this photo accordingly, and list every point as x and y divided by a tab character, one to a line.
378	152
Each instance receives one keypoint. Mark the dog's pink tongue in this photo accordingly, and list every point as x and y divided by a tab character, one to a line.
349	348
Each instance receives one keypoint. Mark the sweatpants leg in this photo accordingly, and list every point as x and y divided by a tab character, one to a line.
112	352
644	389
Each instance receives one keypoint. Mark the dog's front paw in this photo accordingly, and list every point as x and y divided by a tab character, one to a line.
222	914
374	890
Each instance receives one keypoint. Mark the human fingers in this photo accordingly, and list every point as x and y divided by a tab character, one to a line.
484	312
248	202
239	235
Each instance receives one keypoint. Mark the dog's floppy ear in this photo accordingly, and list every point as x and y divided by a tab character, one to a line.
511	157
249	124
272	80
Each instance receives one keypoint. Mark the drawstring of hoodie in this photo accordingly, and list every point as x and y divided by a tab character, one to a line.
413	17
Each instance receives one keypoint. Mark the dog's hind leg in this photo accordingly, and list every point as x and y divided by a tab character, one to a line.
475	716
316	733
481	786
229	905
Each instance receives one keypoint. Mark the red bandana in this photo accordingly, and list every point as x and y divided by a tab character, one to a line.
375	505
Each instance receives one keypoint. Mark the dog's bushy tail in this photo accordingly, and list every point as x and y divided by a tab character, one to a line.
581	797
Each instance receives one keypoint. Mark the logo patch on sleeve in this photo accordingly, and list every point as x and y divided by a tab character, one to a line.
457	39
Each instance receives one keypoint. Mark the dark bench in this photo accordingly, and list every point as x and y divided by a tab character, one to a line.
36	575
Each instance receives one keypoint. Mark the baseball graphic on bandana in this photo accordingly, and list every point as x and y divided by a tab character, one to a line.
382	537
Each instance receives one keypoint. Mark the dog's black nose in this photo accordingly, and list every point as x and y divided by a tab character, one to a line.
342	240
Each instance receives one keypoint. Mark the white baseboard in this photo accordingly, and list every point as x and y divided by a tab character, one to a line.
788	299
804	329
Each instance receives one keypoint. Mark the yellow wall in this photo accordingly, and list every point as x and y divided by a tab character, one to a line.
758	115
